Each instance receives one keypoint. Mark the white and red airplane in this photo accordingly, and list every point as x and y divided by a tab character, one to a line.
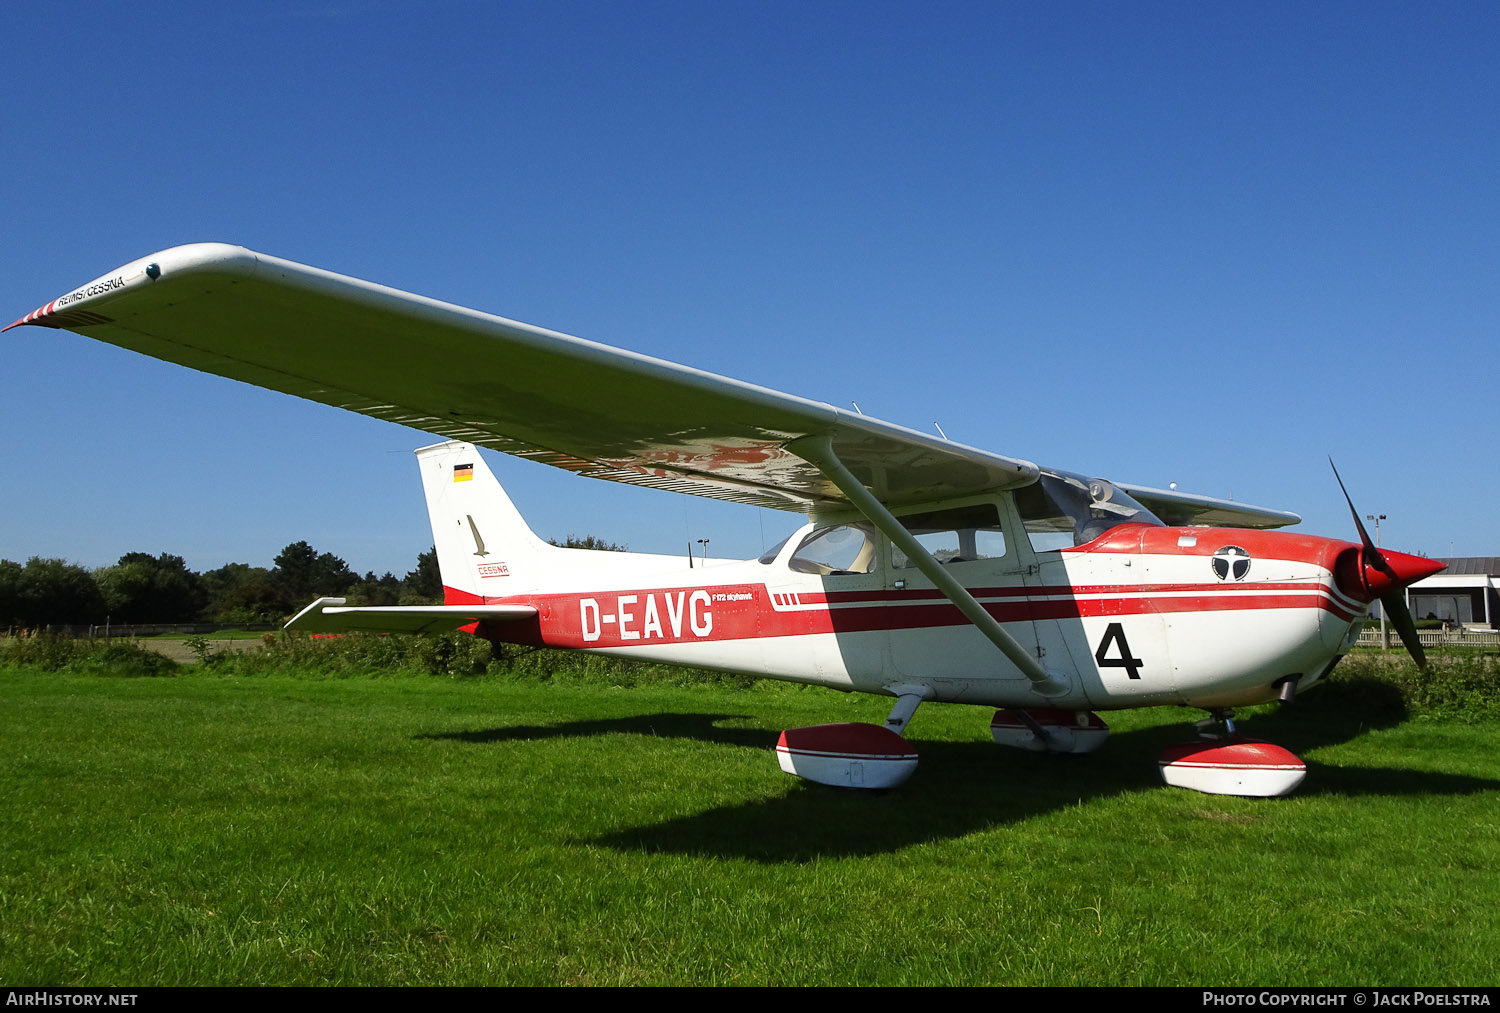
928	570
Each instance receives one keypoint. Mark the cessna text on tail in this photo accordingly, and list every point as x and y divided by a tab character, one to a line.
927	571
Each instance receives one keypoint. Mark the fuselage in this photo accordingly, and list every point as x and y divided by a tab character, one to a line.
1140	615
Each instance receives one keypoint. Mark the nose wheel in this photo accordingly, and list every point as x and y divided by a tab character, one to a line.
1223	762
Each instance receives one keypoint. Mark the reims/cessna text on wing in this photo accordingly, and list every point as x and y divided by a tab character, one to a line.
928	570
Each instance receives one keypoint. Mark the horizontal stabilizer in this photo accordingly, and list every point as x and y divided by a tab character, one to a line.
331	615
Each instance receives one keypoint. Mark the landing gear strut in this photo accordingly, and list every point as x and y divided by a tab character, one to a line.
1049	731
1218	725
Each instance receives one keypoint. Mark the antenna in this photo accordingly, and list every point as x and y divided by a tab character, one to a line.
940	432
856	406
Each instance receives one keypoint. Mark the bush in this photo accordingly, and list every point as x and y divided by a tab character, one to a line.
544	665
52	653
124	658
359	654
1458	683
46	651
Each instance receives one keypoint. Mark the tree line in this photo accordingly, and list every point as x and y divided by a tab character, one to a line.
142	588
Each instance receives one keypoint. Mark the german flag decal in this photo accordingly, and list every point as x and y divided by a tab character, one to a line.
463	472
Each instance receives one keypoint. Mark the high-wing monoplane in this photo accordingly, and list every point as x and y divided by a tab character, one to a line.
926	570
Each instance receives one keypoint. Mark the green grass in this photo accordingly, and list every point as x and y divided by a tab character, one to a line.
217	829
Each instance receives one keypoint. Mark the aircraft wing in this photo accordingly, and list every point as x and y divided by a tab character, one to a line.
1181	508
330	615
462	374
538	394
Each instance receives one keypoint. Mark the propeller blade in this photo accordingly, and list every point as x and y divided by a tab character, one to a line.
1371	552
1399	615
1364	536
1399	571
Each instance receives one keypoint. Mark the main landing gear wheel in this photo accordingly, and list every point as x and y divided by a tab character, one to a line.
847	755
1223	762
1049	731
853	754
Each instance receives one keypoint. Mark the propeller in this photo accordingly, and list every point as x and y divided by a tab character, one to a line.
1386	575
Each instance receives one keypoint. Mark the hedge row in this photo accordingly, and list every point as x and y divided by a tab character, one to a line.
1458	683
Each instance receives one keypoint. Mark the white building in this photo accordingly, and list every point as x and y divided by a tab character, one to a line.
1464	594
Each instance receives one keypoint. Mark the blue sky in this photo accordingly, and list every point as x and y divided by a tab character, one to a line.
1208	244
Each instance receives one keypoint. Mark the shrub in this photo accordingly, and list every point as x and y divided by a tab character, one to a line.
1459	683
359	654
544	665
52	653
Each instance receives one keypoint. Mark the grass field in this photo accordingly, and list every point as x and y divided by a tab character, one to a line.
211	829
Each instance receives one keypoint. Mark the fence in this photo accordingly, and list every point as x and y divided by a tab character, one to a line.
131	630
1434	638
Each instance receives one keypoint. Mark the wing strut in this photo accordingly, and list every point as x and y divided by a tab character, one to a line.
818	451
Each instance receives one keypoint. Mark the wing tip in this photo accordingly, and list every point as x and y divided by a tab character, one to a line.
188	258
35	316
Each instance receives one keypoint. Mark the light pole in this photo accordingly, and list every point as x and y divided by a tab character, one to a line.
1385	637
704	542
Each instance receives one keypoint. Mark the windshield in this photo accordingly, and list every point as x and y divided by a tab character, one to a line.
1062	510
836	551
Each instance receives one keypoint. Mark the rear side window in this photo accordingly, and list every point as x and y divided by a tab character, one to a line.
955	534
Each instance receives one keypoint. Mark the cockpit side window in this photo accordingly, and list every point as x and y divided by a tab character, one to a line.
836	551
954	534
1061	510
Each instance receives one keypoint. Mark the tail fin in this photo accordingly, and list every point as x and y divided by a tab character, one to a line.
484	548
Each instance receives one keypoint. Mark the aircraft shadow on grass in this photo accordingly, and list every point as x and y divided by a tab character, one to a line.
963	787
699	727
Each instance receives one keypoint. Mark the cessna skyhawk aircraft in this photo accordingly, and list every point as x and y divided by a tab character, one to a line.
928	570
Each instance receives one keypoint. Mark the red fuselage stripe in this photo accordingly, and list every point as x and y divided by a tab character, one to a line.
644	617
